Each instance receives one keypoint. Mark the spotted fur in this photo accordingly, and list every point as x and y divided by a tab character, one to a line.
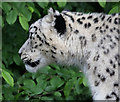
73	38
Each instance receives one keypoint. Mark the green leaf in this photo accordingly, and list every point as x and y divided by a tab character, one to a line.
28	83
56	82
70	98
24	23
40	77
1	21
0	95
115	9
11	16
9	71
61	4
8	92
0	4
18	95
26	13
8	78
68	88
49	88
32	8
51	71
22	9
58	94
37	90
64	73
41	82
85	81
46	98
77	85
55	66
102	3
6	7
43	4
17	59
45	70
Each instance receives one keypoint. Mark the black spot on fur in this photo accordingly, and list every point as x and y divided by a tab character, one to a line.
103	78
80	22
96	58
44	36
96	83
114	66
114	94
108	36
76	31
117	57
69	16
94	71
103	24
110	20
88	66
60	24
53	52
116	85
107	27
53	56
103	17
95	20
108	97
40	44
117	21
70	27
106	51
118	31
87	25
54	47
113	14
111	72
101	31
35	33
111	62
99	75
83	40
39	30
47	43
93	37
50	39
61	52
89	17
36	46
39	38
111	30
83	18
96	28
35	28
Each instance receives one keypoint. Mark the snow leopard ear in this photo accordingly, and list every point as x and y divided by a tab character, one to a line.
56	20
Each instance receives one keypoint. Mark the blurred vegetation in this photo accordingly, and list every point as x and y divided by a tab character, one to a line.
52	82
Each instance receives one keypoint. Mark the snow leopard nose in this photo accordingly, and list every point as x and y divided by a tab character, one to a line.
20	54
23	48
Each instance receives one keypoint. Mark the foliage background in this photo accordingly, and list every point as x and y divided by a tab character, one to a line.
52	82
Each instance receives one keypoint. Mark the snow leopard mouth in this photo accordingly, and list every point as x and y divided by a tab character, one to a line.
32	64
